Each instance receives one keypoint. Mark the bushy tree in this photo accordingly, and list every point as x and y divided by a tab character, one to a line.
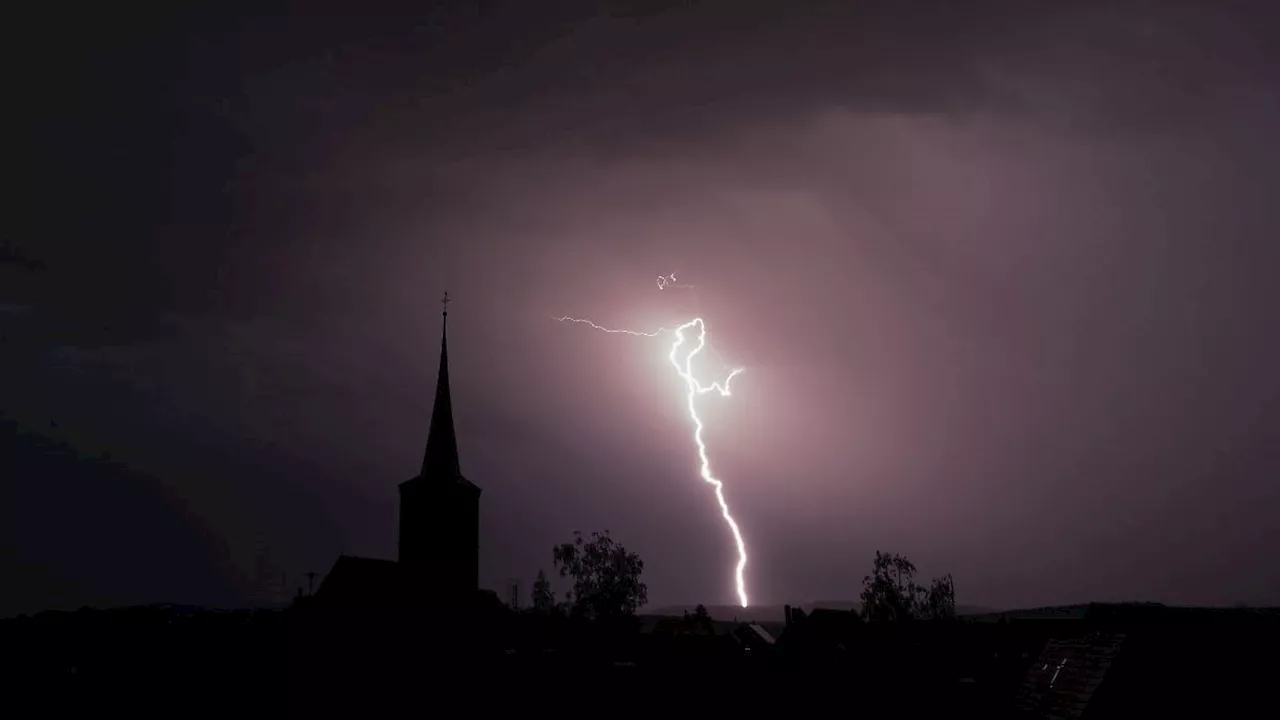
890	593
606	577
939	603
702	619
544	598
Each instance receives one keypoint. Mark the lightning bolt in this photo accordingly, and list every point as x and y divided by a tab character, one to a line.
601	328
694	389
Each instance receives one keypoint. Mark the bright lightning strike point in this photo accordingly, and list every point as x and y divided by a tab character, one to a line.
694	388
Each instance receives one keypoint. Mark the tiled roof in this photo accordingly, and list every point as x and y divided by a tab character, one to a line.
757	633
1065	676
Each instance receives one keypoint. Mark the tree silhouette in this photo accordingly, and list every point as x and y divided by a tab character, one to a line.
544	598
939	603
702	619
606	577
890	593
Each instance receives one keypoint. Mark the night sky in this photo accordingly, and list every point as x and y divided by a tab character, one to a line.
1002	276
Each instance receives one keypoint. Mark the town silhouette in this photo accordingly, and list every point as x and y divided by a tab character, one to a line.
376	635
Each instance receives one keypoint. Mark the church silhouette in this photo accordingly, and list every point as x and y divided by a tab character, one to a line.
439	545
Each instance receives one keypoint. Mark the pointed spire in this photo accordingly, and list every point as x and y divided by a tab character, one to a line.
441	458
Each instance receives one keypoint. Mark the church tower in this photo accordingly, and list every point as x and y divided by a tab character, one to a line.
439	508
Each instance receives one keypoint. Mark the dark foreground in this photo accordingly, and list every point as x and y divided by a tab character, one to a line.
1116	661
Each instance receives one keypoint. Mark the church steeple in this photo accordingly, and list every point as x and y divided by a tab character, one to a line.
441	457
439	508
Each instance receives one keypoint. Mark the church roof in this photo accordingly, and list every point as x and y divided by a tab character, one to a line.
440	461
358	580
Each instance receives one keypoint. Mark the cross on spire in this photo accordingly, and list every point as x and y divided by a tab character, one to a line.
444	303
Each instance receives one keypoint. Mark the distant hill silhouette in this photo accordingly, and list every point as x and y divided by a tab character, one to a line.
79	530
774	613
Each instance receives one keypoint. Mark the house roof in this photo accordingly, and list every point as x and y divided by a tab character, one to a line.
356	580
756	633
1065	676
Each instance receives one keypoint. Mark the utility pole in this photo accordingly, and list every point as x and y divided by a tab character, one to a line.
311	583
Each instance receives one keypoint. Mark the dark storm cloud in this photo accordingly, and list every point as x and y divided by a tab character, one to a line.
175	136
56	568
676	80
